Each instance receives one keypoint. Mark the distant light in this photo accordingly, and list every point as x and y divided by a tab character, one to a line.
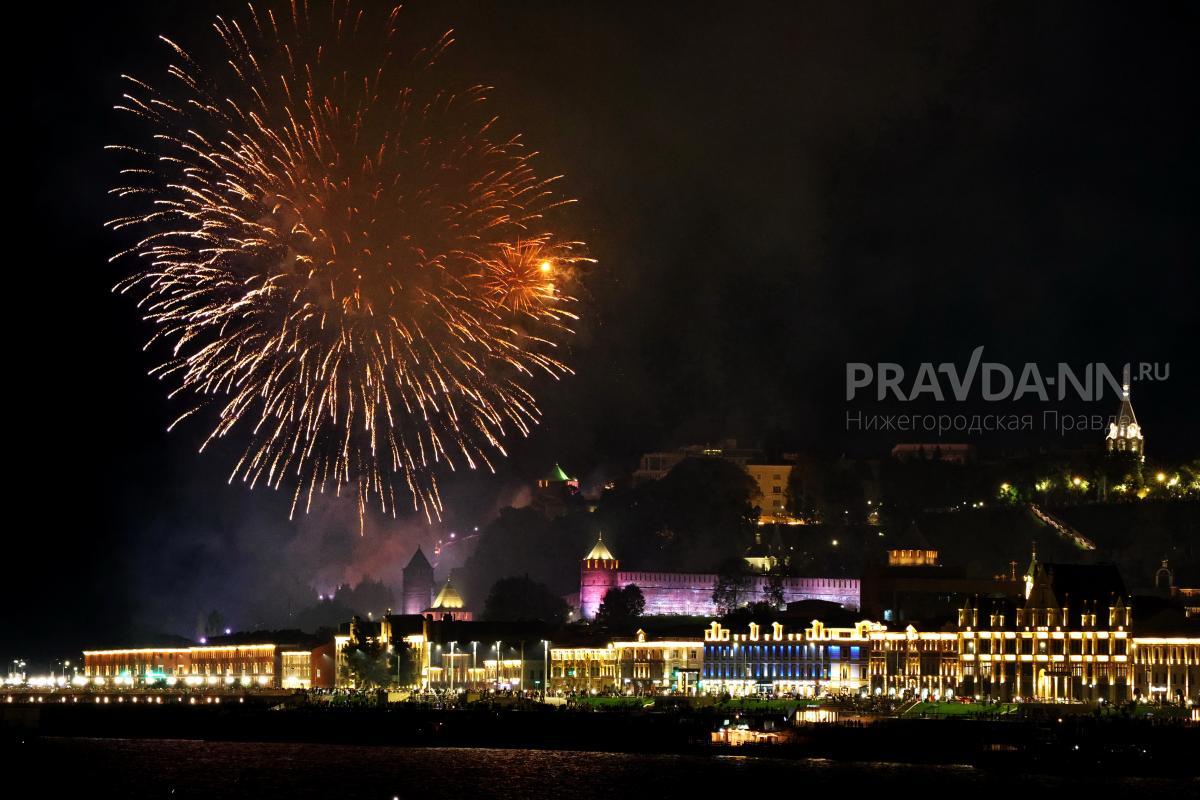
228	631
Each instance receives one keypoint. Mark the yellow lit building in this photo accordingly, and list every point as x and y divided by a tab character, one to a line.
772	481
914	663
1166	668
628	666
583	670
215	665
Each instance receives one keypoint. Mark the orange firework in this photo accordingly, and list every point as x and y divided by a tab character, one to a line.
349	267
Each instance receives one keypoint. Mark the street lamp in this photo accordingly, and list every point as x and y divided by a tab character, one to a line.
545	667
497	666
452	644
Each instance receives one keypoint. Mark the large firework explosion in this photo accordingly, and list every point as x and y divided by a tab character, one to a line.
347	266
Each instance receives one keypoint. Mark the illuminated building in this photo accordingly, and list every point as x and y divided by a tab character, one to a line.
583	668
1125	436
1166	667
772	660
913	550
914	585
214	665
690	594
772	481
448	605
646	666
418	584
138	665
1068	640
555	493
1167	582
468	655
641	665
914	663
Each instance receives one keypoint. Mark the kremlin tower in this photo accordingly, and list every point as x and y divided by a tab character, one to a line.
597	574
418	584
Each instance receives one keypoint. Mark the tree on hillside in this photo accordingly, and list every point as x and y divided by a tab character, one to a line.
701	513
773	591
522	599
732	588
620	608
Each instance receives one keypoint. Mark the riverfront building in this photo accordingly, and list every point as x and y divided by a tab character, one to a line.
774	660
639	665
247	665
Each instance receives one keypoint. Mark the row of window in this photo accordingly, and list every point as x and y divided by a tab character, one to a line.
833	652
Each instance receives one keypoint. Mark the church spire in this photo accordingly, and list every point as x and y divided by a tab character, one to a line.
1124	434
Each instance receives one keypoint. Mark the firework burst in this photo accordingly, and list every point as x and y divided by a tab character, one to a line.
348	268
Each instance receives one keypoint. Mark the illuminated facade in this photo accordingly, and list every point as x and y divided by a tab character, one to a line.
136	666
691	594
1046	651
772	660
583	669
1166	668
216	665
914	663
772	481
455	654
1125	436
641	665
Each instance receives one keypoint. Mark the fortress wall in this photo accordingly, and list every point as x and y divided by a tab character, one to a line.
691	593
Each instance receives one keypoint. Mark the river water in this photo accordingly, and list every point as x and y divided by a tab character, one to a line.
145	768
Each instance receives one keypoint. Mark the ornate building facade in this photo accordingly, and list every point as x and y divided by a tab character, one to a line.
773	660
641	665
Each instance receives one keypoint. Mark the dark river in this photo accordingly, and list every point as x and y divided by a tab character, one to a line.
128	768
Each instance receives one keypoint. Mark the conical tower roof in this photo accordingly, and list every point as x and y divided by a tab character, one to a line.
912	539
1125	415
599	552
556	475
448	597
418	561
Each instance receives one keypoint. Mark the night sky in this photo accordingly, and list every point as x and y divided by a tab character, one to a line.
771	190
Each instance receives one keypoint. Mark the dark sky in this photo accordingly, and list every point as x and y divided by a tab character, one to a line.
771	190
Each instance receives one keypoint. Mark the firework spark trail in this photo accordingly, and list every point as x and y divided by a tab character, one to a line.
348	268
